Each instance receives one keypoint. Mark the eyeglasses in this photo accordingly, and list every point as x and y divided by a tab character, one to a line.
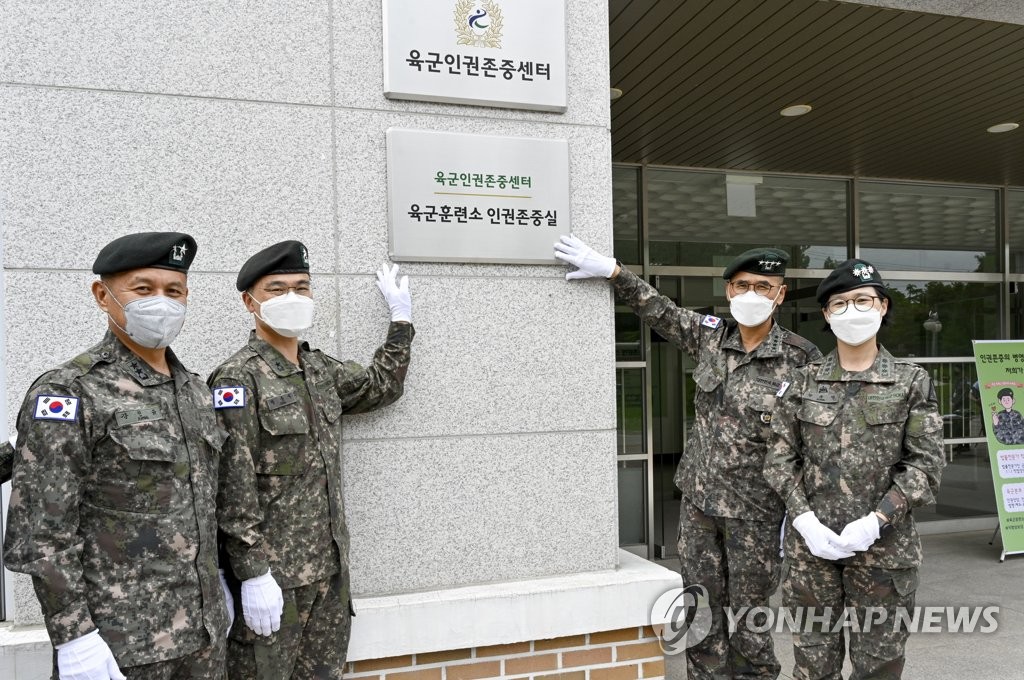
762	288
862	303
301	289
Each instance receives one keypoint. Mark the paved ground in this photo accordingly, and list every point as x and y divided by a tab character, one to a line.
959	569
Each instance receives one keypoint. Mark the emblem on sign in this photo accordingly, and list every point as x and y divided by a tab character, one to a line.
478	24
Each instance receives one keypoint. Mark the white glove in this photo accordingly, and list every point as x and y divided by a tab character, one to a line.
396	293
820	540
87	658
591	264
229	601
262	603
860	534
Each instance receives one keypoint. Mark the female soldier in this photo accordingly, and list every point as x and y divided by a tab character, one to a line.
857	443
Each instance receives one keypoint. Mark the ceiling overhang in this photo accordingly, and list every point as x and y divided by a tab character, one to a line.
895	94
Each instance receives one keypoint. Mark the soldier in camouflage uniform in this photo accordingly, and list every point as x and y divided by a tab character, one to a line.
857	444
283	402
115	478
1008	424
6	461
730	518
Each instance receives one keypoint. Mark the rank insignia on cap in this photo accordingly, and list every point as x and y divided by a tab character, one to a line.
229	397
864	271
51	407
178	252
711	321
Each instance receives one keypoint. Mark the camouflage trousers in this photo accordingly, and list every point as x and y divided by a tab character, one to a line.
876	651
204	664
311	644
738	562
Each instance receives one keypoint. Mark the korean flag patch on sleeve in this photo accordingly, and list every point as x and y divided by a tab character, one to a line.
711	321
53	407
229	397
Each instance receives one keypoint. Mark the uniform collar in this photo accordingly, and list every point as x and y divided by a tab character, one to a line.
771	346
883	370
112	350
275	359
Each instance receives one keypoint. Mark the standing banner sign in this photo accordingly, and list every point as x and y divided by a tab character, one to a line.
1000	366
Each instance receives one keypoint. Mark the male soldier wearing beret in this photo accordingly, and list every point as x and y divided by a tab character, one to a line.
730	518
282	403
115	478
1008	424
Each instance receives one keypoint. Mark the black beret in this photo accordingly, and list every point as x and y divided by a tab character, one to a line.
161	249
766	261
1005	392
849	275
286	257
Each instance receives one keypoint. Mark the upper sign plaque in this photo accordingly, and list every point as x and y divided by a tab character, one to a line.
491	53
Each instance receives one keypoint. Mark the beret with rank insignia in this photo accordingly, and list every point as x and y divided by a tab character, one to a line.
764	261
286	257
161	249
849	275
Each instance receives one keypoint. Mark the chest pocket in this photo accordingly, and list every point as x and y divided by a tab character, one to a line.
885	425
138	470
285	427
817	414
330	402
761	408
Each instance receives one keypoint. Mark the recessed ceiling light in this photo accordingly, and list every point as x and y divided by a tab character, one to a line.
797	110
614	93
1003	127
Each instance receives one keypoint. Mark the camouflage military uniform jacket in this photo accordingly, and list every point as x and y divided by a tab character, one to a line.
1009	428
721	471
847	444
112	510
6	462
281	487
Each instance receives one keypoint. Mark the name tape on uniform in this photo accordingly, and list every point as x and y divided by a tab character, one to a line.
711	321
53	407
229	397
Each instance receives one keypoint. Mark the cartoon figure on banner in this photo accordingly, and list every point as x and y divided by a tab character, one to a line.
1007	424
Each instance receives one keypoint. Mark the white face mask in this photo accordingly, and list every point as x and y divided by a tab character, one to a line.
751	309
855	327
289	315
152	322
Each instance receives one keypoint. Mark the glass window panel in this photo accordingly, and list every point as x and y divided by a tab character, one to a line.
1016	309
632	502
626	214
1015	215
928	227
629	411
628	339
966	489
963	311
690	223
